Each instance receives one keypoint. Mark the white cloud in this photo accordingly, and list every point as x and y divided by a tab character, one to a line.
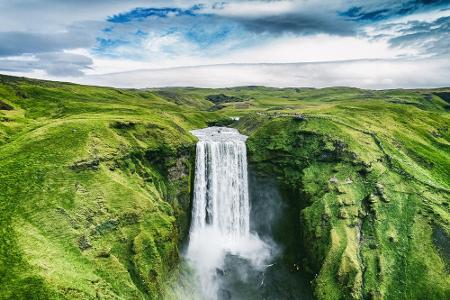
167	45
428	16
253	8
275	32
281	50
318	48
374	74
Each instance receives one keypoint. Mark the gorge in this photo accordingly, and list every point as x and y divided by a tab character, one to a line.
220	225
231	255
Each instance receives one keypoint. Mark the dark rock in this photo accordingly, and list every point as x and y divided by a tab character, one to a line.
179	170
222	98
364	171
224	294
372	198
299	118
380	187
84	243
221	122
107	226
220	272
436	134
5	106
123	125
442	243
216	107
86	165
380	192
73	223
129	218
103	254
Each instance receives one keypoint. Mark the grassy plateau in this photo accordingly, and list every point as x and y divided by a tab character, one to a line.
95	185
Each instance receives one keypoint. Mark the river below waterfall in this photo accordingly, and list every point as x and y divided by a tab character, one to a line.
231	253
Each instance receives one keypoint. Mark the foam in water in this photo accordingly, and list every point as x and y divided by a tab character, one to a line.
221	210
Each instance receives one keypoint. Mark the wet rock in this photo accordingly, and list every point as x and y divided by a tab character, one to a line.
178	170
220	272
224	294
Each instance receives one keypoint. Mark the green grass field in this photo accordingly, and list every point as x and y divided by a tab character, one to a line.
95	185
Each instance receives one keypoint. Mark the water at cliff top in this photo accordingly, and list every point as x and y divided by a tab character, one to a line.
220	224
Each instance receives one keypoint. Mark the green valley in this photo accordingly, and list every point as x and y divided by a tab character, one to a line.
96	185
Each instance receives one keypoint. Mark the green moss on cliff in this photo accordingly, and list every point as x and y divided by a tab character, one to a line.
367	221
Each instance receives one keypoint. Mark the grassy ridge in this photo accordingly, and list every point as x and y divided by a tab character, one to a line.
95	185
90	184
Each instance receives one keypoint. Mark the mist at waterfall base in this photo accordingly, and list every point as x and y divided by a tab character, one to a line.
231	253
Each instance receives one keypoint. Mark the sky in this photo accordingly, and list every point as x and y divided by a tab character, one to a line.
143	43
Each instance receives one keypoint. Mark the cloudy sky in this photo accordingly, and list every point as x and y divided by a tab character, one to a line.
145	43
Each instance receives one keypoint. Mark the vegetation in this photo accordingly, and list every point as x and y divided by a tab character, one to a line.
95	185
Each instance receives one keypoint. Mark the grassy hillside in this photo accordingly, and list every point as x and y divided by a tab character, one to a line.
95	185
91	183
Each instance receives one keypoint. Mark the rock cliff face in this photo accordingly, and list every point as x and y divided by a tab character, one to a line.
122	216
363	223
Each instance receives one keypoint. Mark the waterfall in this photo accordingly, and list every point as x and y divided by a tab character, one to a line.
221	184
221	211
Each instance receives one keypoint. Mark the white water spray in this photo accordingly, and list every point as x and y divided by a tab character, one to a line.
221	209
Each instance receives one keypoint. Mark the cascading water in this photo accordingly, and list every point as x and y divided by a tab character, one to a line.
221	189
221	211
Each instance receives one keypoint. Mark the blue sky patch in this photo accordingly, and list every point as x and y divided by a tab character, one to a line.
382	12
143	13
